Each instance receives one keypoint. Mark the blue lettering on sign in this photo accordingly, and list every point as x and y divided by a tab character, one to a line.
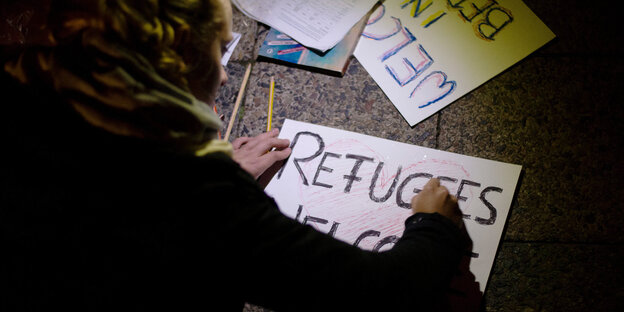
414	65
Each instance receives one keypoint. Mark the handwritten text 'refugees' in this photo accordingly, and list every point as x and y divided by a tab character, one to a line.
399	182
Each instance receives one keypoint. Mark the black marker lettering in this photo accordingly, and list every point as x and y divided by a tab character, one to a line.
313	220
374	181
443	178
386	240
296	161
492	218
353	176
460	189
334	228
298	212
365	235
399	195
323	168
309	219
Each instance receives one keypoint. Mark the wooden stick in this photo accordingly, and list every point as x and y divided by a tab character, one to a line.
239	98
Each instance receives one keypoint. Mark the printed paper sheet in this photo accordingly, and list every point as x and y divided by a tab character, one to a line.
317	24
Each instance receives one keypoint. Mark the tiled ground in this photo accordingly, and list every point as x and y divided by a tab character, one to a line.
558	113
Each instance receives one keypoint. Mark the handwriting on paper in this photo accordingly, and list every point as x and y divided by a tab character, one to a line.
401	187
487	17
358	188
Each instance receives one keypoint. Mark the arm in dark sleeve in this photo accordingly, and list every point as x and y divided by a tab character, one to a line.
285	265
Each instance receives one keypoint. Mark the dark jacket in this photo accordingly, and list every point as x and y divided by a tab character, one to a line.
91	221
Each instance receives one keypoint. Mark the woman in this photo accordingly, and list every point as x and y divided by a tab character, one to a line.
116	193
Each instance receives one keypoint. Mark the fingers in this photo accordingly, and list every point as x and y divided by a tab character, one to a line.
238	142
452	210
432	184
453	199
269	159
278	144
275	155
257	154
442	193
259	147
273	133
254	141
258	164
279	154
261	143
436	198
267	135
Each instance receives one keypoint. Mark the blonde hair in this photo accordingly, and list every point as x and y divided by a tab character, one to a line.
122	66
171	34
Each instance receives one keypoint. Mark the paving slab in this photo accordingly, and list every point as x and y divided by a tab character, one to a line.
560	118
248	28
556	277
582	28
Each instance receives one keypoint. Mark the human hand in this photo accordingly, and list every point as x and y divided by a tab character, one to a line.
255	155
436	198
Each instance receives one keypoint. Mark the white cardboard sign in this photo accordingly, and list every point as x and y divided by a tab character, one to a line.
358	188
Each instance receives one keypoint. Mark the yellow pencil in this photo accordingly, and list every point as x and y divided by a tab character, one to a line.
270	113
